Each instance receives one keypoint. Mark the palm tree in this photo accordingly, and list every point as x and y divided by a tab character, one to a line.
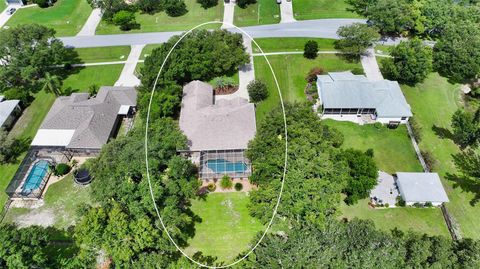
52	84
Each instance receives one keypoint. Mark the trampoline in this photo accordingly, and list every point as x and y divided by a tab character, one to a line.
82	176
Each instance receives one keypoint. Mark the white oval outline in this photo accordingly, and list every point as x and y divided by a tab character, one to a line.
146	146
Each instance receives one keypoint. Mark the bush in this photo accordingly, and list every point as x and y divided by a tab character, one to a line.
311	49
257	90
62	169
400	202
207	3
313	73
149	6
417	205
387	205
175	8
238	186
42	3
428	204
378	125
226	182
416	129
211	187
245	3
224	82
124	19
430	161
369	152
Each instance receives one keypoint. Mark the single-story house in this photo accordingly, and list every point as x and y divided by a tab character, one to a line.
421	188
218	132
81	124
348	97
9	112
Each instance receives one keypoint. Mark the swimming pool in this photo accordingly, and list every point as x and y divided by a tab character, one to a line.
223	166
35	176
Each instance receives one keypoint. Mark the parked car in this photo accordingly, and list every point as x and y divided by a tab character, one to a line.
279	2
11	11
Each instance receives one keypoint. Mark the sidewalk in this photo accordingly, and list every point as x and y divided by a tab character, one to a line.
91	24
127	77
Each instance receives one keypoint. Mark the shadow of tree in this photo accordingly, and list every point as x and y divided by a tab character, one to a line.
442	133
467	184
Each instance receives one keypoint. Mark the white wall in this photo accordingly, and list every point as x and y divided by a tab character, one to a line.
387	120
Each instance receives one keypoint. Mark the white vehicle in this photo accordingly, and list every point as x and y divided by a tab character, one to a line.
10	11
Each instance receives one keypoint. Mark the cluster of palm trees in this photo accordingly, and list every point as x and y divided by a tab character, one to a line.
52	84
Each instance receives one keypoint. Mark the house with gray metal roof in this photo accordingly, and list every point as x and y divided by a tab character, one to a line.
80	123
348	97
218	132
9	112
421	188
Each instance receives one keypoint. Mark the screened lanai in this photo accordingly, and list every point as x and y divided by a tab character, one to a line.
217	163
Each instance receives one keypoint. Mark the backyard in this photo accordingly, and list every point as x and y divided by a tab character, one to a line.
262	12
162	22
321	9
66	16
226	228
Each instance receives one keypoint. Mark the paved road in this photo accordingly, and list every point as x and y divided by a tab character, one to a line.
326	28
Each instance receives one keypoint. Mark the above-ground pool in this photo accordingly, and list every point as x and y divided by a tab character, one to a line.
221	166
35	176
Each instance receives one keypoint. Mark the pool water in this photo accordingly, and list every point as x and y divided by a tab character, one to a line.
223	166
35	177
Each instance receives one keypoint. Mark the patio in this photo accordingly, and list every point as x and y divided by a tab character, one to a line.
386	191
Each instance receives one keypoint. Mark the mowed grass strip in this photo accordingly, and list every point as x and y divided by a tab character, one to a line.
262	12
291	71
291	44
433	103
321	9
226	228
103	54
67	17
161	22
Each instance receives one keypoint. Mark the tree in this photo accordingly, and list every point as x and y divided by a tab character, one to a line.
257	90
8	149
360	7
356	38
124	19
311	49
93	89
52	84
175	8
466	128
245	3
149	6
363	175
468	162
165	102
411	62
25	65
207	3
109	7
456	54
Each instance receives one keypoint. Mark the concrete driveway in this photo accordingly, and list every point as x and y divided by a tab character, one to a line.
91	24
286	12
370	66
4	17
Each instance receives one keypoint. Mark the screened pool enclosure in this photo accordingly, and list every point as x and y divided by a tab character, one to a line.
217	163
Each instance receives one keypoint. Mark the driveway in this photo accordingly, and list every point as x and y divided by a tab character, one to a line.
127	77
91	24
325	28
286	11
370	66
4	17
228	11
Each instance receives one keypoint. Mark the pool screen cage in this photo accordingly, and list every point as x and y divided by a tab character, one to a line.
14	189
214	164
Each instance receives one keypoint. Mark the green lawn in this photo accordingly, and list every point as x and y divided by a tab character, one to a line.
268	9
291	44
162	22
147	50
102	75
433	103
103	54
321	9
383	49
291	71
393	151
226	228
424	220
61	201
66	16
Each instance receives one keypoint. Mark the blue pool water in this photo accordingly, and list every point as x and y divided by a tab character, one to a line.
223	166
35	177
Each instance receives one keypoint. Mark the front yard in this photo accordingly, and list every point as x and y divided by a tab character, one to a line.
226	228
321	9
297	44
66	16
263	12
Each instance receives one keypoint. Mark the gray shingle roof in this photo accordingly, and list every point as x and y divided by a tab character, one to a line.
421	187
227	124
346	90
92	119
6	109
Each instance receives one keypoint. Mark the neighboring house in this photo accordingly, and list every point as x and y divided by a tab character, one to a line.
14	2
82	125
218	133
9	112
421	188
347	97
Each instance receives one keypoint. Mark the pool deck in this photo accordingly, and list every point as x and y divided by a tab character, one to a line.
247	186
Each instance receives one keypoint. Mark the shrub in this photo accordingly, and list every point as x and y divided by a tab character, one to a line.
42	3
238	186
175	8
226	182
211	187
311	49
369	152
257	90
124	19
378	125
313	73
62	169
207	3
149	6
401	202
224	82
245	3
416	129
387	205
430	161
417	205
428	204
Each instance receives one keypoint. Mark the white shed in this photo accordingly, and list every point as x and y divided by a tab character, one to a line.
421	188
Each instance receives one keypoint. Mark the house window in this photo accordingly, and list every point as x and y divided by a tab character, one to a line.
404	118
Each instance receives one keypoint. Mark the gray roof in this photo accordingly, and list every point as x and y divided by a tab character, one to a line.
226	124
346	90
421	187
6	109
92	119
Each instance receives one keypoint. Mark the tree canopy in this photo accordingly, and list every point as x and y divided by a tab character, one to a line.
356	38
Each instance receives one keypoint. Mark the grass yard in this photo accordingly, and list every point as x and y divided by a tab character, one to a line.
226	228
321	9
102	75
147	50
103	54
61	201
274	44
66	16
392	147
425	220
263	12
290	71
162	22
433	102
